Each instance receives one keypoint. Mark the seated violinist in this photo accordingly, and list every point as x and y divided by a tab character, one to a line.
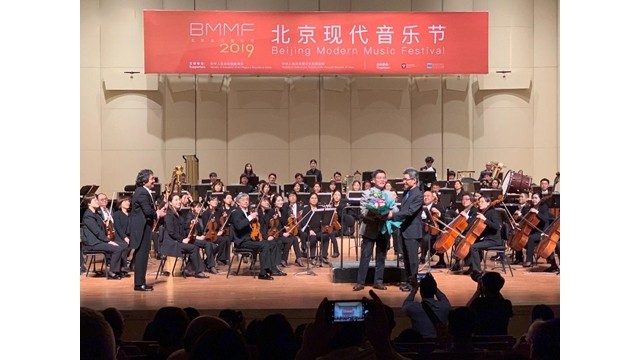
243	222
311	232
94	237
176	242
194	227
277	220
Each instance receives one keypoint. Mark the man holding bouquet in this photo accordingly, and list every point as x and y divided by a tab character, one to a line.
376	206
411	228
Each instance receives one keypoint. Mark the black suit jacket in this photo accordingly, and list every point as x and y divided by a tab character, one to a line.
492	231
93	230
143	213
172	235
240	226
120	224
409	214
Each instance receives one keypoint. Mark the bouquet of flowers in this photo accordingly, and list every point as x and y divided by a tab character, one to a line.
379	204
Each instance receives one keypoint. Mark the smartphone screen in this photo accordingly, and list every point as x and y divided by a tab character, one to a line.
347	311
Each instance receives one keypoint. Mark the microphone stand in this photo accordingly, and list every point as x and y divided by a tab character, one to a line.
308	271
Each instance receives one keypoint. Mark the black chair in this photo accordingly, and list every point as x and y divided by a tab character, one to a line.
241	255
501	253
164	257
91	256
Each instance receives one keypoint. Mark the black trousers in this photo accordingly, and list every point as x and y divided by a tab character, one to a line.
410	257
115	263
267	251
141	257
365	257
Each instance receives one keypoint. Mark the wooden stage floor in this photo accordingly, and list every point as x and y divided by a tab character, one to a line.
298	296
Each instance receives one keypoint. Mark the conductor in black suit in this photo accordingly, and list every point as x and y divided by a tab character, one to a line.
411	228
143	214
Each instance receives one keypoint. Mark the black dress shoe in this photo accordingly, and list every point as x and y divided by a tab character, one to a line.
517	262
527	264
358	287
406	288
284	264
379	286
440	266
143	288
279	273
123	274
324	260
476	275
188	273
201	275
211	270
113	276
551	269
299	262
335	254
265	277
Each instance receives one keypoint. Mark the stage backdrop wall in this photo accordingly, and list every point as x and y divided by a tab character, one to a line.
134	121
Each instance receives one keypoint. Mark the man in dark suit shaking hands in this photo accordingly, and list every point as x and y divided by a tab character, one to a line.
411	228
143	214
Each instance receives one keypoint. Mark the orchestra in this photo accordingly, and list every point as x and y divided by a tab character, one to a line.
447	227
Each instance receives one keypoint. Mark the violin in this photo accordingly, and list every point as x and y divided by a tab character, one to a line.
292	225
273	224
192	227
111	234
518	239
549	240
334	225
476	229
211	230
256	234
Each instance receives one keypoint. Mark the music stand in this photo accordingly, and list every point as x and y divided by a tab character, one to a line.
288	188
353	197
367	176
447	197
492	193
397	184
303	197
317	213
87	190
274	189
324	186
219	195
253	181
309	180
202	190
427	177
206	181
236	189
324	198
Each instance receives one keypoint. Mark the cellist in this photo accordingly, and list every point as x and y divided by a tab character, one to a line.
541	209
489	237
431	209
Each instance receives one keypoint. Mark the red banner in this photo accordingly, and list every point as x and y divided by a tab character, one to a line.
235	42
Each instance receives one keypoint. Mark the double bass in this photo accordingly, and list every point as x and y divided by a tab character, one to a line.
474	232
549	240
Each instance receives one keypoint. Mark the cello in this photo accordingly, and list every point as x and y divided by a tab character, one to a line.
549	240
454	229
474	232
520	236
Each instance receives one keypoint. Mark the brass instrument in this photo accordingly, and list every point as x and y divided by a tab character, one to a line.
175	186
496	168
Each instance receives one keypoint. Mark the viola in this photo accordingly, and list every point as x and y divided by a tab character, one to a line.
334	225
549	240
292	225
211	230
256	234
111	234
